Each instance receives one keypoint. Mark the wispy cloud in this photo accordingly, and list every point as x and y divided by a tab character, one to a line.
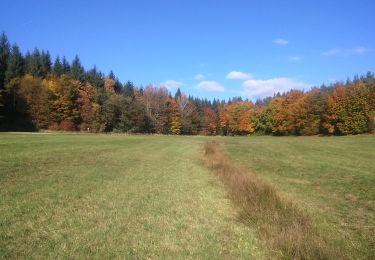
280	41
199	77
332	52
27	23
295	58
254	88
345	52
171	84
360	50
239	75
211	86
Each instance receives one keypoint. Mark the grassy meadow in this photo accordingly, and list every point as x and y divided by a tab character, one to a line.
102	196
332	178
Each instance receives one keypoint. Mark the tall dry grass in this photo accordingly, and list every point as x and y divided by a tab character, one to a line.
284	228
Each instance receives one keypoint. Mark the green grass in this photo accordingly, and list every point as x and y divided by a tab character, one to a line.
331	178
98	196
283	227
101	196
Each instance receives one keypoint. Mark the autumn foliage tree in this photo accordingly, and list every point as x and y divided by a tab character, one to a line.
348	110
236	118
36	94
289	114
174	117
209	121
87	107
34	100
64	93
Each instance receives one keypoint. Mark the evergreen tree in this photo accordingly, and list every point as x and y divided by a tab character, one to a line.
118	85
65	65
4	55
76	70
95	78
45	63
33	64
13	76
15	65
178	94
128	89
58	68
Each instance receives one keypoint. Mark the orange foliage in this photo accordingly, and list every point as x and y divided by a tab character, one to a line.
210	125
236	118
288	115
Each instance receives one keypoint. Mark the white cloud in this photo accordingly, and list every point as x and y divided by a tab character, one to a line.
295	58
238	75
344	52
332	52
360	50
280	41
263	88
199	77
171	84
211	86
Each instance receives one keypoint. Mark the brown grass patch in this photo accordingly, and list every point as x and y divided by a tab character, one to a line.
351	197
282	226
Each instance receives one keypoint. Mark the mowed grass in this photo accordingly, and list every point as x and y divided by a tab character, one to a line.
103	196
331	178
116	196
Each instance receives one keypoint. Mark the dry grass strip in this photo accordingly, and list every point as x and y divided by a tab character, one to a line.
284	228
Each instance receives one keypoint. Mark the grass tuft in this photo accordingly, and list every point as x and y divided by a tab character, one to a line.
282	226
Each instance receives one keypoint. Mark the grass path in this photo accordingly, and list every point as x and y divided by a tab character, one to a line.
97	196
331	178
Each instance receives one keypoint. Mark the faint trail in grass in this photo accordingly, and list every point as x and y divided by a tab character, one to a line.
285	229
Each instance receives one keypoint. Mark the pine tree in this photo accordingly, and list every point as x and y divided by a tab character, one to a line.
118	86
4	56
178	94
13	76
128	89
58	68
76	70
65	65
45	64
33	64
15	65
95	78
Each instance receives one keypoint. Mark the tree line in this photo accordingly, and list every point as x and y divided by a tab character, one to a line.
36	94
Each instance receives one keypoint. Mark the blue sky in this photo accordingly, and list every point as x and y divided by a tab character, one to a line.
207	48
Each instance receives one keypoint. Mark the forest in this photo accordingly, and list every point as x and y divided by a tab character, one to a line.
37	93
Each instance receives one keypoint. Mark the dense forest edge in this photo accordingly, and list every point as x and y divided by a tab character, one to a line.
38	94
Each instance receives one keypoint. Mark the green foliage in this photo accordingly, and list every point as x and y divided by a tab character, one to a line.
4	56
76	69
128	89
15	65
38	64
95	78
58	68
264	119
82	100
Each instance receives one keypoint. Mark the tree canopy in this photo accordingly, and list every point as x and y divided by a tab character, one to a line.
38	94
